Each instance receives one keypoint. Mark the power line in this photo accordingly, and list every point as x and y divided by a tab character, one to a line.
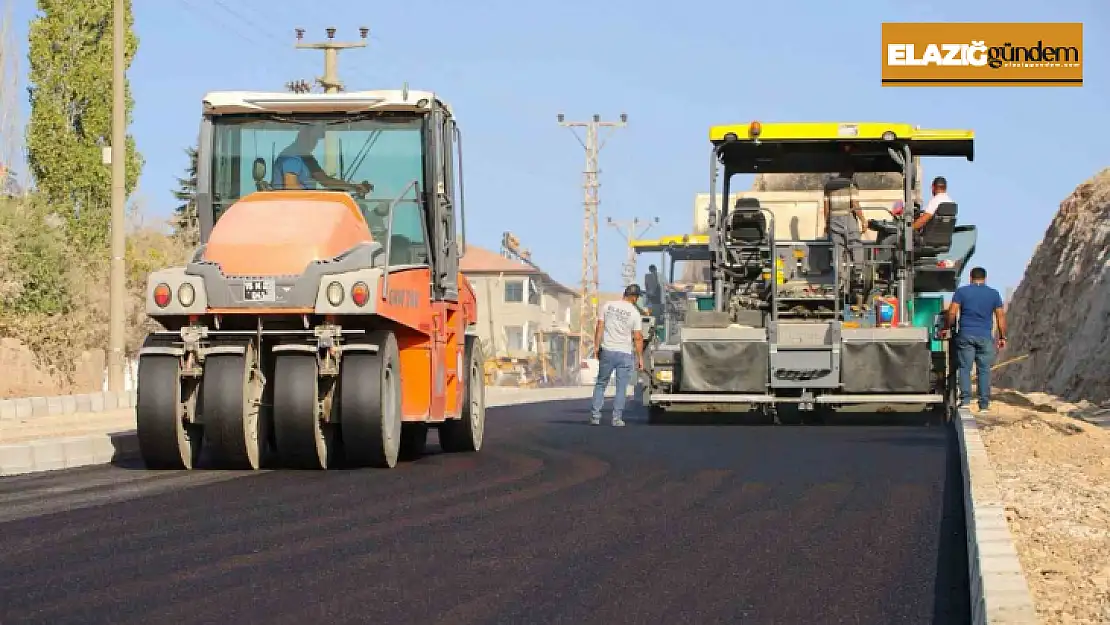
627	229
250	34
589	285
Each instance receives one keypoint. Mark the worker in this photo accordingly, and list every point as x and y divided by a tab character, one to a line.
940	196
620	343
844	223
296	168
976	307
654	288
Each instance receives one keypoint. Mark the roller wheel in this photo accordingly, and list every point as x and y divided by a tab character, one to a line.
231	395
166	440
370	403
414	440
302	440
466	433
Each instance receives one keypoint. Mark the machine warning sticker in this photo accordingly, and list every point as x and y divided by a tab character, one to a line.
847	130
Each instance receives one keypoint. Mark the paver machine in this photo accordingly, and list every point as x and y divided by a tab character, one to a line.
323	320
806	323
682	259
680	256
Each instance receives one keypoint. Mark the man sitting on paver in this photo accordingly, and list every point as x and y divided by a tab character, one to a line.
977	306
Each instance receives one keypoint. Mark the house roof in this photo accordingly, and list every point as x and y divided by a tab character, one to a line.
480	260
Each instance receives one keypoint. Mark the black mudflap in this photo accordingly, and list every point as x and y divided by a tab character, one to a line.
886	367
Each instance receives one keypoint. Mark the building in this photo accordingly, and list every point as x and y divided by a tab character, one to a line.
515	301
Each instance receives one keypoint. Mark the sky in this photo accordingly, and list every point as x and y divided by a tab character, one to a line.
509	67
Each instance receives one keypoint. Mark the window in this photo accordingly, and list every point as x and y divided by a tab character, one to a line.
514	291
514	338
387	151
534	295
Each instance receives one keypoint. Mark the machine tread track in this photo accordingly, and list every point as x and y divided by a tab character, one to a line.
166	441
370	403
301	439
233	430
466	433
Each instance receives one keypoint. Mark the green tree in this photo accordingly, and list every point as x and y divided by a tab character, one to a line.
186	225
70	57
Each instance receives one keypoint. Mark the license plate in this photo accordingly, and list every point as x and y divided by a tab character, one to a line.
258	290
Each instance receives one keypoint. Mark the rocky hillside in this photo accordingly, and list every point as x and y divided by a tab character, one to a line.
1060	313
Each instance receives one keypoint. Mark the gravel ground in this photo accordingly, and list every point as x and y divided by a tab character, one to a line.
1054	471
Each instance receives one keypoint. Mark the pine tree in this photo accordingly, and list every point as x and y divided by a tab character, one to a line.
71	111
186	224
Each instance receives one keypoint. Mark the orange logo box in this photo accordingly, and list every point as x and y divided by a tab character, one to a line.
982	55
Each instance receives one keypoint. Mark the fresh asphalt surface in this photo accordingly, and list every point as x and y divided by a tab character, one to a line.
552	522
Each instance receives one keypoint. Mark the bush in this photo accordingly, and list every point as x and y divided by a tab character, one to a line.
53	292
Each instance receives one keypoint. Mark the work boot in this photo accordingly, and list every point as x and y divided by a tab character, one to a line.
618	422
595	419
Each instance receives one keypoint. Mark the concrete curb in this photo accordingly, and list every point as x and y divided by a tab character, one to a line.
50	454
999	591
31	407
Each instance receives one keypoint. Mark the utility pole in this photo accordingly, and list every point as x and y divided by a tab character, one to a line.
589	286
116	288
627	229
329	81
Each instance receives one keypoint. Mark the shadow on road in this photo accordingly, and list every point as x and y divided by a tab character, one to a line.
951	596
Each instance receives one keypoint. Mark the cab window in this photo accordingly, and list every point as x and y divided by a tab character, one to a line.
385	151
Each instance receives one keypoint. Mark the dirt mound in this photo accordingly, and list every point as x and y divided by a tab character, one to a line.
816	182
1060	313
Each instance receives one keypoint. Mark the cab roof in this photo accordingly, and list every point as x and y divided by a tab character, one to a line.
820	147
680	247
225	102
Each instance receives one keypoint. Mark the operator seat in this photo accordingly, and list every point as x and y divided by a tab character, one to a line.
748	241
936	235
747	224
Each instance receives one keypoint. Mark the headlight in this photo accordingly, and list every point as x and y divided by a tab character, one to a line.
186	294
664	375
335	294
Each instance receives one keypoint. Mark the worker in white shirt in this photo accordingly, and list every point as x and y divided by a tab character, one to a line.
940	196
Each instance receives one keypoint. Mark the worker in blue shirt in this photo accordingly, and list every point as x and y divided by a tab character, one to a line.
977	306
297	168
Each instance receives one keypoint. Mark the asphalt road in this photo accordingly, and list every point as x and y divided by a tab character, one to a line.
553	522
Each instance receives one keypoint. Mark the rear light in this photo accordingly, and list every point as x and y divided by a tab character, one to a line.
186	294
360	293
162	295
335	293
946	264
755	129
